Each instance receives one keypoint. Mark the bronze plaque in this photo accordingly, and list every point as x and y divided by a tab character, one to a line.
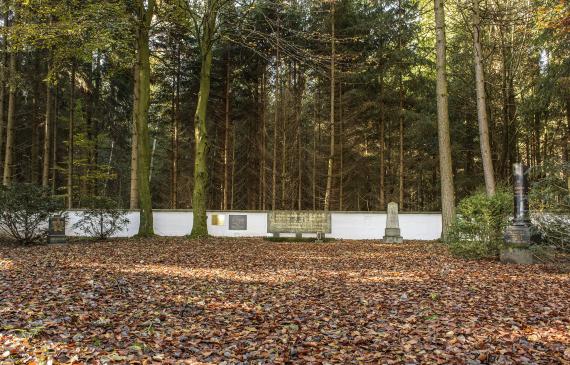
288	221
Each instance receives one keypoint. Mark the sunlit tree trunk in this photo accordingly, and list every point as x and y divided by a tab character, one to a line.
445	161
341	148
332	109
143	141
134	192
275	126
175	131
70	137
3	65
200	226
9	155
382	144
226	135
47	131
482	103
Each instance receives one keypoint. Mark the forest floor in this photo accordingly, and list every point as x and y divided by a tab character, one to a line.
252	301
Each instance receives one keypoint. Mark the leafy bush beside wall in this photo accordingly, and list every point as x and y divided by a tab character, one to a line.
102	219
478	230
24	212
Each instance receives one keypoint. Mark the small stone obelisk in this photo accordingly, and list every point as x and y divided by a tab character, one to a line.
392	233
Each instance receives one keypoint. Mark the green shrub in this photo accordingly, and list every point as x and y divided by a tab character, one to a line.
478	230
24	212
102	218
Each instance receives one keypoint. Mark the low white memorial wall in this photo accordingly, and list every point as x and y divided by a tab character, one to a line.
345	225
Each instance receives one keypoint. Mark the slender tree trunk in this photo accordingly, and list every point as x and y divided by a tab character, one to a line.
70	137
263	143
314	172
200	226
9	155
401	145
134	193
382	143
276	124
400	117
143	142
47	132
3	62
482	104
341	147
445	160
175	132
53	167
332	109
233	169
226	134
298	106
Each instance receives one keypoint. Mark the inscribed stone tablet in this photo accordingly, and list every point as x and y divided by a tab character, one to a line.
238	222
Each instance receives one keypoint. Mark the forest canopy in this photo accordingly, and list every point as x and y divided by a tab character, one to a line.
274	104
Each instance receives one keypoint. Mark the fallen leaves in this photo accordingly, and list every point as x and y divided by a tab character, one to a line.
249	301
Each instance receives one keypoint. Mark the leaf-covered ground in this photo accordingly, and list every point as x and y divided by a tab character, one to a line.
250	301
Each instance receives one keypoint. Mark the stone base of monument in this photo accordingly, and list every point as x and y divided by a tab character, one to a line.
392	235
518	234
518	255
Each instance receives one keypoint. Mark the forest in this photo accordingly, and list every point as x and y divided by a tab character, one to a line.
268	104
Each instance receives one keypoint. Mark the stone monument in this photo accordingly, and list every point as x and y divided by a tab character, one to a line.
517	235
56	230
392	233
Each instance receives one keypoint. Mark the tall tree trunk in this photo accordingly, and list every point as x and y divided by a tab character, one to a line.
3	62
332	108
70	136
445	160
401	144
482	104
276	111
143	142
382	144
47	131
134	191
226	134
175	127
200	225
263	142
9	155
341	148
314	166
298	106
400	119
53	167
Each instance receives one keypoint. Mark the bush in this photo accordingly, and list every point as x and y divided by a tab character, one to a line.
102	218
550	204
25	210
478	230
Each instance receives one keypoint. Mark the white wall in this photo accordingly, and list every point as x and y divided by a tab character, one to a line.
345	225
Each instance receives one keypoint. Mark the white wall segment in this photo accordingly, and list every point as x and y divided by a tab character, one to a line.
345	225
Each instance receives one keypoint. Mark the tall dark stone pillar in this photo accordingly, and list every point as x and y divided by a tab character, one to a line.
519	232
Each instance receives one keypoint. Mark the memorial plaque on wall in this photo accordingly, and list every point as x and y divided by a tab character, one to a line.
286	221
238	222
56	233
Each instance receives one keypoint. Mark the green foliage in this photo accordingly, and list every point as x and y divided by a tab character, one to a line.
550	203
477	232
24	212
102	218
